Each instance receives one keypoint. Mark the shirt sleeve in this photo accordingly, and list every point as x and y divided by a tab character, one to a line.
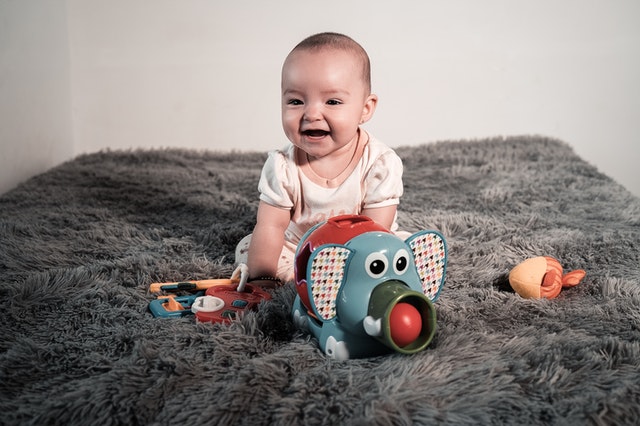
276	183
383	182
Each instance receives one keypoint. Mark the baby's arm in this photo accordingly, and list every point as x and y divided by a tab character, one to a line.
267	240
382	215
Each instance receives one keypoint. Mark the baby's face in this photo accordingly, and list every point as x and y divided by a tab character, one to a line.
324	100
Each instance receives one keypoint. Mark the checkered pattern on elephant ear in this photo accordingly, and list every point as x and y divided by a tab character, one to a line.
328	266
430	252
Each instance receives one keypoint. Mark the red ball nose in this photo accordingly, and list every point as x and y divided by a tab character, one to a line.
405	323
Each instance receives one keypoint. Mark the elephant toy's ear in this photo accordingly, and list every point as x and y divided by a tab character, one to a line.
430	253
326	272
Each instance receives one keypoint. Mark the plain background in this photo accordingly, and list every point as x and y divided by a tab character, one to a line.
79	76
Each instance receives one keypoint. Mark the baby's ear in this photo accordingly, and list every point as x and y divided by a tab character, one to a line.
369	108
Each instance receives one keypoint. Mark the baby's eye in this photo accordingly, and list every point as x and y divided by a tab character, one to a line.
294	102
333	102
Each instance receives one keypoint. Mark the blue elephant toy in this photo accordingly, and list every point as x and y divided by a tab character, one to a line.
363	291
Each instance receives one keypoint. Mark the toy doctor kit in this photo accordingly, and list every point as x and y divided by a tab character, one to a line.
363	291
216	300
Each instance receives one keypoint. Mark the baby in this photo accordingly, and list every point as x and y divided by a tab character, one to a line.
332	166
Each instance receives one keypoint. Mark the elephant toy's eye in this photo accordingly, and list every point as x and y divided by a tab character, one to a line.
401	261
376	265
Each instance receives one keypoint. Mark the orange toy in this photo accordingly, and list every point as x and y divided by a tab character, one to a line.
542	276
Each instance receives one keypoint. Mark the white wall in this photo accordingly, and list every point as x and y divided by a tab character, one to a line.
205	73
35	96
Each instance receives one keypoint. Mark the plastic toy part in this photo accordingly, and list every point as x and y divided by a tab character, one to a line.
336	230
225	303
189	285
407	317
207	304
173	306
405	323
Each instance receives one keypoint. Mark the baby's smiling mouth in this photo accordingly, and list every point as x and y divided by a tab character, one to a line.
315	133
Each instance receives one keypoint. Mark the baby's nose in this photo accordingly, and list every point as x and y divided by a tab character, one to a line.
312	113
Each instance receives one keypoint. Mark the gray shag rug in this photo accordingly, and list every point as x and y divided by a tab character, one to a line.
80	244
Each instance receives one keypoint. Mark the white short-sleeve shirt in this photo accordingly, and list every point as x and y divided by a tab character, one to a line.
376	181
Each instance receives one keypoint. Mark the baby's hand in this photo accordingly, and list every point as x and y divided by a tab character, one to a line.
241	274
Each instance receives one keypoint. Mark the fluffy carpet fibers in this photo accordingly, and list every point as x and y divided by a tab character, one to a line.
80	244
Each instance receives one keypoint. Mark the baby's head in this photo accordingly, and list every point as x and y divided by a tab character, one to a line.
326	94
338	42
